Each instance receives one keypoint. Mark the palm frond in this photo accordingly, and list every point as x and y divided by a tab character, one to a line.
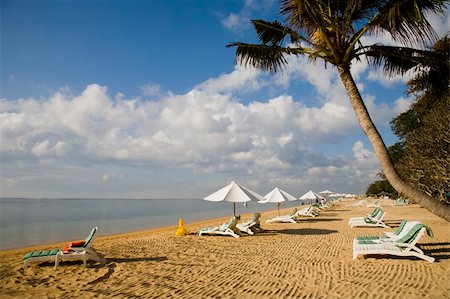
405	20
398	60
274	33
267	58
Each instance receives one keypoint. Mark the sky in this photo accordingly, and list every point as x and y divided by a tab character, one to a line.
142	99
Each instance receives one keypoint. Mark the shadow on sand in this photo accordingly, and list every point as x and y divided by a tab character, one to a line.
317	219
440	251
306	231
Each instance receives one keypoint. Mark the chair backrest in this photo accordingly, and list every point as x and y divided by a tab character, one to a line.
90	238
256	217
407	229
378	217
294	211
375	212
400	227
232	223
413	234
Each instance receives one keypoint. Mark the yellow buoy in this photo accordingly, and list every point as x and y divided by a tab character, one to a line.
181	231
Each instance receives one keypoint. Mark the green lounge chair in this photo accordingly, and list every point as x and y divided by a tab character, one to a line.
226	229
377	221
404	246
81	250
373	214
401	230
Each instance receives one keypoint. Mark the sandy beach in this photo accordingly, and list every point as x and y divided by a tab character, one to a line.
309	259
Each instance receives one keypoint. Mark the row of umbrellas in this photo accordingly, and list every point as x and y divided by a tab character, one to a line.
235	192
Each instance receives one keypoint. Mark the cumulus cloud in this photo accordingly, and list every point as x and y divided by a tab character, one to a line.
240	21
151	90
205	132
111	177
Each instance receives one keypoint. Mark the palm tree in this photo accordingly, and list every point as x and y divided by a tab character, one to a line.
332	31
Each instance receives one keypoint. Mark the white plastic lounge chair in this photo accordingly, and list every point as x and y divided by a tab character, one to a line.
226	229
251	226
400	232
81	250
404	246
309	212
285	218
401	202
377	221
372	215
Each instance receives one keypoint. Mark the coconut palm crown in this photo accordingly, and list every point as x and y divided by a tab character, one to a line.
332	31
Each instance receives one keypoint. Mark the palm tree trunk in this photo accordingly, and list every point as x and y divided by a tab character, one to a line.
433	205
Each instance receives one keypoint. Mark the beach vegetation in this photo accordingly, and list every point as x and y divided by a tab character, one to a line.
333	31
422	154
381	187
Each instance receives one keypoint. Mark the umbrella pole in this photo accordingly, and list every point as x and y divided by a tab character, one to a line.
278	204
234	208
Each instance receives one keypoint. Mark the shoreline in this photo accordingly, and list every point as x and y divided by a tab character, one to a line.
199	223
312	258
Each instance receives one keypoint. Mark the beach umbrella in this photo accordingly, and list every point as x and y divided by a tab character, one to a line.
234	193
278	196
326	192
310	195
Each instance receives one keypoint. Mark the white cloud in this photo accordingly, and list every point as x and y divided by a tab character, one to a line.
241	79
204	132
111	177
240	21
151	90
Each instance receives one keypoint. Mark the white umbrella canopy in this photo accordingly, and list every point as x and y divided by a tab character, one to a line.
234	193
311	195
278	196
326	192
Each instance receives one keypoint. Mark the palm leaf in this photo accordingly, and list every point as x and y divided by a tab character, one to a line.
398	60
267	58
405	20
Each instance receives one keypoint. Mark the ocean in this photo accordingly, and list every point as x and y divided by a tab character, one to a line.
32	221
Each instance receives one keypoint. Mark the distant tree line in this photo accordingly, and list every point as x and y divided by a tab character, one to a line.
421	156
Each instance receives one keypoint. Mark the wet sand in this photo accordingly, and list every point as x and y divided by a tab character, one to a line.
309	259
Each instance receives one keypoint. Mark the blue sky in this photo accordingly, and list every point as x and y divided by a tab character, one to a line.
142	99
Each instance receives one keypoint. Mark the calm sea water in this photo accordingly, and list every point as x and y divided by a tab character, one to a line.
26	222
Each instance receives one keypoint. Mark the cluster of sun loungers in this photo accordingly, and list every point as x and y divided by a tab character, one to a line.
311	211
233	228
401	242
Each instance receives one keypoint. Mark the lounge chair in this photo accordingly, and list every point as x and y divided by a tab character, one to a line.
81	250
285	218
226	229
401	202
400	232
404	246
309	212
372	215
251	226
376	221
